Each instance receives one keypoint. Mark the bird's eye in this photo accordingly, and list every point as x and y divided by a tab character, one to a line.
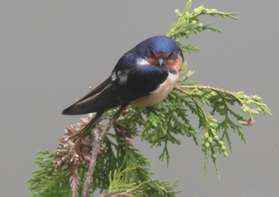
171	56
151	57
152	54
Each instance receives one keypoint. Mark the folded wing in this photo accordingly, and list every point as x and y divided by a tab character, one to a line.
98	100
128	81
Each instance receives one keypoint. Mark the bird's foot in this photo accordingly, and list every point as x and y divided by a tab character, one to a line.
152	109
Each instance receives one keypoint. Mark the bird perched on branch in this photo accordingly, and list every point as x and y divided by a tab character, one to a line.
143	77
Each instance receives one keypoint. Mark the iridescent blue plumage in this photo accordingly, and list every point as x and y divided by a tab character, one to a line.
156	45
161	44
146	69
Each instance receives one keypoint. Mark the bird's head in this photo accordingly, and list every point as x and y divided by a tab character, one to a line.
162	51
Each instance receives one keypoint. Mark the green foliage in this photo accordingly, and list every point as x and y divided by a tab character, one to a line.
189	23
204	114
134	177
118	155
122	168
47	181
124	181
217	113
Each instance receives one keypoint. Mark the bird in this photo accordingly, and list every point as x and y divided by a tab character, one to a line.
142	77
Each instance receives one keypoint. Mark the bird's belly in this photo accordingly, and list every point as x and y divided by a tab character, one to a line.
159	94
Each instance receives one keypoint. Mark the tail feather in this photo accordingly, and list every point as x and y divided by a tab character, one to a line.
98	100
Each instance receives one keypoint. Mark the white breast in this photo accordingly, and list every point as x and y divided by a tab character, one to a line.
159	94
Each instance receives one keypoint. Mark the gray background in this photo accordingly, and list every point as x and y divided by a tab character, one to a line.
51	51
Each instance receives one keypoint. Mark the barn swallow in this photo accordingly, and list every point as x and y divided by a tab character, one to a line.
142	77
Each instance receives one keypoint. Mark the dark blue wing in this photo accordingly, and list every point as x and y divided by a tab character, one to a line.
103	97
138	80
127	82
143	80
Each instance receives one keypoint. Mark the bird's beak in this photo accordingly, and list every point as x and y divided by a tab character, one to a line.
161	61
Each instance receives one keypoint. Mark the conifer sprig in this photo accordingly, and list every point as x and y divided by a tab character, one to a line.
189	23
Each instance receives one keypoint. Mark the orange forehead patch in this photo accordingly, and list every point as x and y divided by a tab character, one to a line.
152	61
175	64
